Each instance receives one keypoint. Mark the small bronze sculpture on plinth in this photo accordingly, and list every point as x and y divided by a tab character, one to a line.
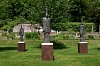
47	47
82	45
21	43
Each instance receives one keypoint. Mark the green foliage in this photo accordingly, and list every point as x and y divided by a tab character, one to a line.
60	11
12	35
70	35
58	44
2	22
76	9
34	10
90	37
60	36
73	26
88	27
92	13
32	35
63	36
8	35
65	26
4	34
7	28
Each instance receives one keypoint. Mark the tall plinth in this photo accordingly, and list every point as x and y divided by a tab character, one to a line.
21	46
47	52
82	47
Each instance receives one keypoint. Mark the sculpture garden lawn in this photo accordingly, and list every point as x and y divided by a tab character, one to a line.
9	56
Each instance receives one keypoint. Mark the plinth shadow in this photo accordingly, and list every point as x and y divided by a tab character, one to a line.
98	48
95	49
7	48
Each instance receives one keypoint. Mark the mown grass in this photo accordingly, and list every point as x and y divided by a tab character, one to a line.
9	56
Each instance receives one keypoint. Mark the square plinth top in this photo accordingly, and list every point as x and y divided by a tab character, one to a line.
47	43
21	42
82	42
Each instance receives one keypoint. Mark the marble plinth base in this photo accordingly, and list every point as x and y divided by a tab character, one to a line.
82	47
47	52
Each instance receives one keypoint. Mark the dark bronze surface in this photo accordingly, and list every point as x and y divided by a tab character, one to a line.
81	33
21	33
46	27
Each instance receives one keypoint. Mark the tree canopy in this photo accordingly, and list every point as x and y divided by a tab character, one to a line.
60	11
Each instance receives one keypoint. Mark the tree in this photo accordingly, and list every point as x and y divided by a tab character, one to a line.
60	11
93	12
76	9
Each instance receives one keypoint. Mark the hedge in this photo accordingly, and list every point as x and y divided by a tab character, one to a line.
73	26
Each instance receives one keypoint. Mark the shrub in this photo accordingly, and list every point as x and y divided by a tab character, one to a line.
12	35
60	36
70	35
88	27
32	35
27	35
67	35
74	26
90	37
56	45
4	34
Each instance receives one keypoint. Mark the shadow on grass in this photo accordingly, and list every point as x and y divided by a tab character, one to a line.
7	48
95	49
98	48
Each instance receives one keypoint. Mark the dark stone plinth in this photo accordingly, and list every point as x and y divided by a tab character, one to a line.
21	46
47	52
82	47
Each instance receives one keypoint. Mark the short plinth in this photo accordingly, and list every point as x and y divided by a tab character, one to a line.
21	46
47	52
82	47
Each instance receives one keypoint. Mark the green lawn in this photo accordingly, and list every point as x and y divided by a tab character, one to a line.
9	56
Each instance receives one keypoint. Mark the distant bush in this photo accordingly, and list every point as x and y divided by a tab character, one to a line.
12	35
58	44
73	26
70	35
90	37
8	35
67	35
32	35
4	34
60	36
88	27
